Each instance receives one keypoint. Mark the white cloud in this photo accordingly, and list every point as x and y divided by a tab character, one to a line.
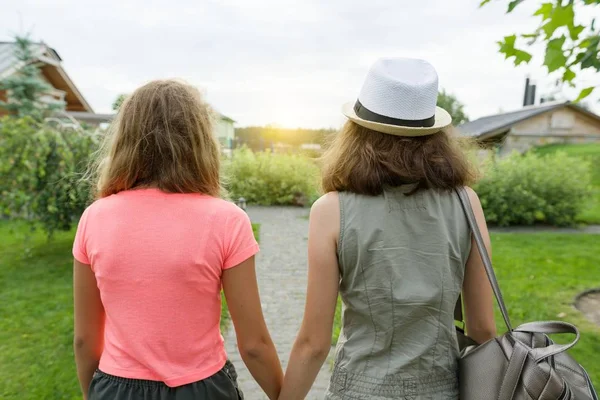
291	62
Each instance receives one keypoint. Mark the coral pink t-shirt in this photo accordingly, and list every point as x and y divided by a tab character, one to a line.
158	260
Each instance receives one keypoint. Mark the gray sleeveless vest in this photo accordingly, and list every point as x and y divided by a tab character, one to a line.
401	261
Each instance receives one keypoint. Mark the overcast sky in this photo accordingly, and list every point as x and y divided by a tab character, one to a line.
285	62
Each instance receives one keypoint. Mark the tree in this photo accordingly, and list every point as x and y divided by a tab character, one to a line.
41	167
25	87
570	47
450	103
118	101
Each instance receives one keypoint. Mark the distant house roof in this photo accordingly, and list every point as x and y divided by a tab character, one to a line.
9	63
51	69
499	123
223	117
94	118
90	117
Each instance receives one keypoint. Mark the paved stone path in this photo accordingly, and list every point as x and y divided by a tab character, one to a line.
282	273
589	304
281	269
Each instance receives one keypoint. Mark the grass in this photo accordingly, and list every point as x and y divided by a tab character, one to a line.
36	327
540	275
591	152
256	231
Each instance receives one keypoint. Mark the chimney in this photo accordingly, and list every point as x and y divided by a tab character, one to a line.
532	94
526	96
529	96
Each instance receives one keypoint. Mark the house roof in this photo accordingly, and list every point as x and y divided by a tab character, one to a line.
223	117
492	123
226	118
9	63
51	69
91	117
500	123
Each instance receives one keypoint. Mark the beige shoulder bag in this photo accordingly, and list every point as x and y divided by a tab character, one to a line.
522	364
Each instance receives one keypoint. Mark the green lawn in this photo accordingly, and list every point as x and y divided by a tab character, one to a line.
591	152
36	323
256	230
540	275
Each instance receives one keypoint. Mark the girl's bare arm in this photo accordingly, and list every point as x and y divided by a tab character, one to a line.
88	339
314	339
254	341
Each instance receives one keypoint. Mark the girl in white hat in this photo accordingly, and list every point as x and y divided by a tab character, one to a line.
391	239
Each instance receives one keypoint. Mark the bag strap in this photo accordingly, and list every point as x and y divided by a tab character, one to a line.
513	372
485	257
548	328
545	327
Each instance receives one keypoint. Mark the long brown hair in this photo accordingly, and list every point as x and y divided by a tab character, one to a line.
364	161
162	137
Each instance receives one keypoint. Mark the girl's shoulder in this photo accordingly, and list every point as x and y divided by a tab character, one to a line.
226	208
326	203
136	200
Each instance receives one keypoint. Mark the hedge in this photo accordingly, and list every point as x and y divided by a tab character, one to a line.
266	178
532	189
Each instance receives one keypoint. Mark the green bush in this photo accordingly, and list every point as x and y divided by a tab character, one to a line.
266	178
40	167
531	189
590	152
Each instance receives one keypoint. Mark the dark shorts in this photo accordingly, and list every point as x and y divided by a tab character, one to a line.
220	386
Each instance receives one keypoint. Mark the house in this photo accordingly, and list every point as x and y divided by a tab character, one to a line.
534	125
225	132
63	89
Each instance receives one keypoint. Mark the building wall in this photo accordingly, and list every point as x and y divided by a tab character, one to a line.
225	133
564	125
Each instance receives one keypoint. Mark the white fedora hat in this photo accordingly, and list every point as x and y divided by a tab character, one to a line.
399	97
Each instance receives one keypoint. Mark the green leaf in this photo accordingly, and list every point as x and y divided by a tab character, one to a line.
522	56
507	47
590	57
545	11
548	29
484	2
513	4
569	75
561	16
575	30
584	93
589	42
577	59
508	44
555	57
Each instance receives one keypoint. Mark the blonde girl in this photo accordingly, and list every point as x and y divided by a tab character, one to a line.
152	254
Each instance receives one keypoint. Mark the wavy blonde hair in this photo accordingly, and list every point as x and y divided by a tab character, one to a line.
162	137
